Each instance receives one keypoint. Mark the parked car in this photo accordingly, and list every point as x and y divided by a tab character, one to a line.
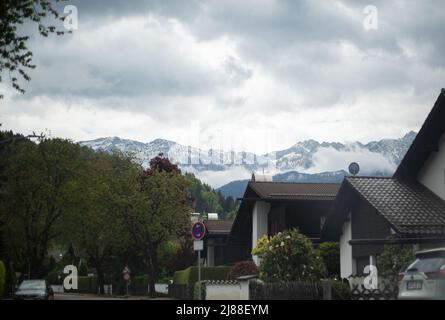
425	277
34	290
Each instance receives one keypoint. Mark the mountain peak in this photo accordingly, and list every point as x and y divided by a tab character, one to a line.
410	136
308	156
160	141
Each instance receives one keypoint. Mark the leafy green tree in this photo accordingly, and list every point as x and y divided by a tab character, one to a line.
34	193
211	202
207	200
94	224
16	58
159	214
289	256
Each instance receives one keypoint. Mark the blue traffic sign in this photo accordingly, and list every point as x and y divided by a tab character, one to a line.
198	231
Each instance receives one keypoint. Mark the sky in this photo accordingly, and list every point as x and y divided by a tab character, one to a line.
258	74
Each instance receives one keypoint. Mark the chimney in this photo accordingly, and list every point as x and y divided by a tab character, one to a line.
262	178
212	216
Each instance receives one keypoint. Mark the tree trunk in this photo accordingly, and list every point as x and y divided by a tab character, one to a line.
100	278
153	272
151	287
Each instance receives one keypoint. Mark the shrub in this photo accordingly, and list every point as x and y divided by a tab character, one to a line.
329	252
340	290
261	247
394	259
243	268
53	277
182	276
289	256
2	279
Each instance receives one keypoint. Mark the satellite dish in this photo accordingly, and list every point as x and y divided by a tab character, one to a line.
354	168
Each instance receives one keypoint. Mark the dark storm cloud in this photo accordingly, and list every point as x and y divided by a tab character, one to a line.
300	42
119	8
283	63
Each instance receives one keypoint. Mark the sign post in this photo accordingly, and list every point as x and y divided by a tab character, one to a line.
198	233
126	272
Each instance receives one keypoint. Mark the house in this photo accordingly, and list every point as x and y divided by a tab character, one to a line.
217	233
270	207
407	208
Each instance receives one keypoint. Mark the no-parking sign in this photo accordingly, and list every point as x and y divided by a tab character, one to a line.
198	231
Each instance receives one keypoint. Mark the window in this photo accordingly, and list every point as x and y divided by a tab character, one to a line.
428	264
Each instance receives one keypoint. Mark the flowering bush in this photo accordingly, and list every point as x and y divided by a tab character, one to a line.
243	268
261	246
289	256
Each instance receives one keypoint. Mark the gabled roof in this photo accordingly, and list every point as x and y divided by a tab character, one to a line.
294	191
409	207
278	191
426	141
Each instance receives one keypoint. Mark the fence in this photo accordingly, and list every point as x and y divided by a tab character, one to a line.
179	291
286	291
387	289
258	290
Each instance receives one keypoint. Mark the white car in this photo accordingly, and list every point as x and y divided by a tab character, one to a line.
425	278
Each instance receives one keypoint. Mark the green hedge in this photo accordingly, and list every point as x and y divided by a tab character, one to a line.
203	290
86	285
2	279
189	276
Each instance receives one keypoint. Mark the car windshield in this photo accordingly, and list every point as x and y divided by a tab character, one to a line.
427	264
32	285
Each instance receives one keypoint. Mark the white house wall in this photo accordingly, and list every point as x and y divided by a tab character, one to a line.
259	223
432	174
347	263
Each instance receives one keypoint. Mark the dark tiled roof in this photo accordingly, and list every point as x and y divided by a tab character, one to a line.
409	207
218	226
295	191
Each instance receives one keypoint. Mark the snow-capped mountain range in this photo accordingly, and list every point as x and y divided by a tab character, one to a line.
304	158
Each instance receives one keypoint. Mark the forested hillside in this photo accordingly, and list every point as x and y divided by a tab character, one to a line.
207	200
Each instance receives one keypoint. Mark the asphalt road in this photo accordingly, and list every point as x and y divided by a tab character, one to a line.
70	296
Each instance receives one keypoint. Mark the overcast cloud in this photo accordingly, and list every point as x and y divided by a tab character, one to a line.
293	69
